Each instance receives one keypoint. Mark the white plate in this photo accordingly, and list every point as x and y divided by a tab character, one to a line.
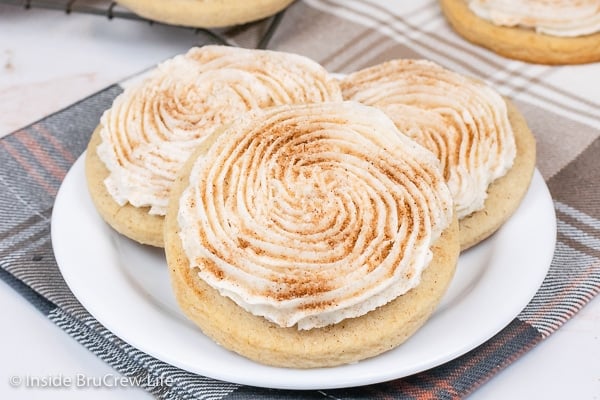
126	287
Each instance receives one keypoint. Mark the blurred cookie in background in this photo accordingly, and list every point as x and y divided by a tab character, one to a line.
537	31
205	13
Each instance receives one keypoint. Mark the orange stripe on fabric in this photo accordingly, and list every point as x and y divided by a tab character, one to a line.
41	155
565	293
30	169
66	154
447	384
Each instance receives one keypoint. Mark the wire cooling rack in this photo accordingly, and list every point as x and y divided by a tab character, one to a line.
111	9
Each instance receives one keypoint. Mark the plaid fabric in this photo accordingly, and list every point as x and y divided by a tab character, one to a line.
562	109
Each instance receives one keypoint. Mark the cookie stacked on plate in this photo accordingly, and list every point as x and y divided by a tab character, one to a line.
151	129
486	150
307	221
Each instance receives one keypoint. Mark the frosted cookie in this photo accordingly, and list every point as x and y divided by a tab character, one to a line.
153	127
467	125
538	31
205	13
311	235
133	222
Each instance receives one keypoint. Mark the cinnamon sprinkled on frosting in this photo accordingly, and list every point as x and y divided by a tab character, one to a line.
462	121
567	18
153	127
310	214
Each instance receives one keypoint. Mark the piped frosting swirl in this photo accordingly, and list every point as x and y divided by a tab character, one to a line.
310	214
152	127
566	18
462	121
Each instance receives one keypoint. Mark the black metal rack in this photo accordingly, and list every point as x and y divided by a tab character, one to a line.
111	9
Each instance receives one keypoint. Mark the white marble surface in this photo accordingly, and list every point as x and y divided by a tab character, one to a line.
48	60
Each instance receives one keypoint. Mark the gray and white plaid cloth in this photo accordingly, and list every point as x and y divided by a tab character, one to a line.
562	107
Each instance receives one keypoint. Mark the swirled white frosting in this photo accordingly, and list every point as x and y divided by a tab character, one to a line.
310	214
551	17
152	127
463	121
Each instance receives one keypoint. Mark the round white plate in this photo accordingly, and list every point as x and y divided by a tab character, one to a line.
126	287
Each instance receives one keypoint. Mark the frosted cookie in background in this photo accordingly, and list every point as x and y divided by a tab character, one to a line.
483	143
151	129
536	31
205	13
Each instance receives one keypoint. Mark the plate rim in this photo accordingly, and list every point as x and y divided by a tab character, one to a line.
308	379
